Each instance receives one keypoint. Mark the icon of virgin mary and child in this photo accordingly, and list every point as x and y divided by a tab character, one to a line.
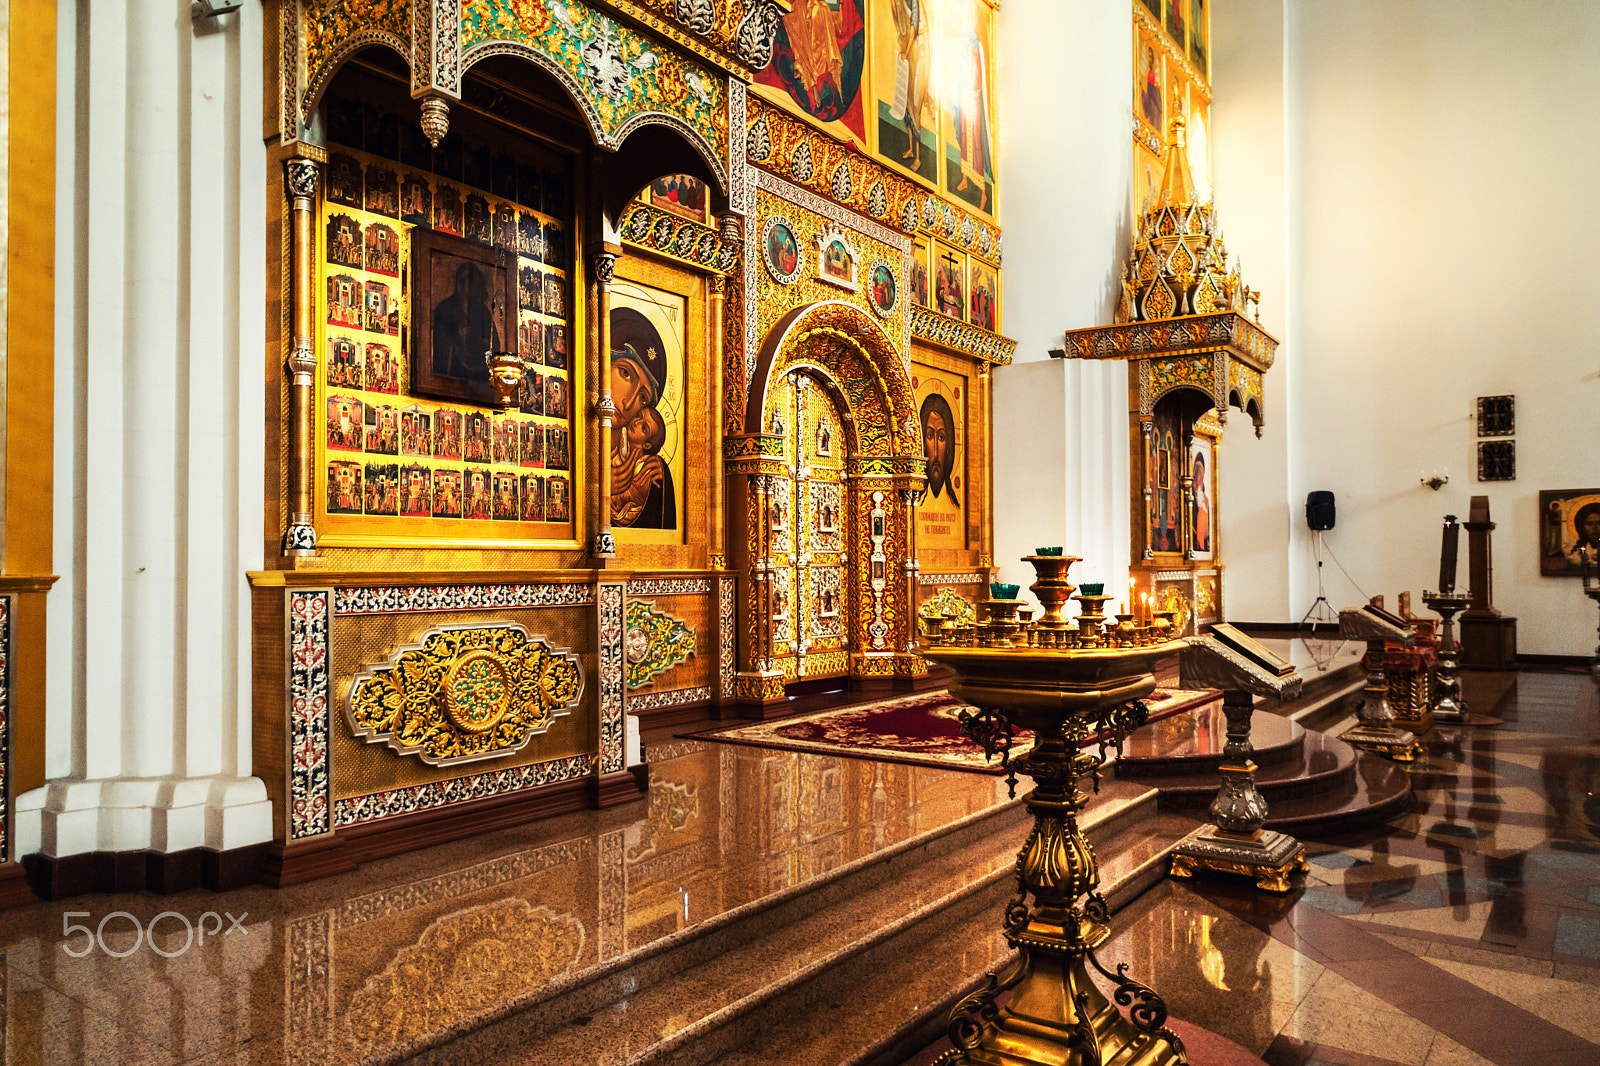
642	492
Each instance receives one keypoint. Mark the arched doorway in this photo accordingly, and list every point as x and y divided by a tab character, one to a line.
826	480
809	528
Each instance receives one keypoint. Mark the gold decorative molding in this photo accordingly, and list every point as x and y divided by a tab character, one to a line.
932	327
465	693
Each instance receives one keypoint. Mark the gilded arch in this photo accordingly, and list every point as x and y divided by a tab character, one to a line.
846	341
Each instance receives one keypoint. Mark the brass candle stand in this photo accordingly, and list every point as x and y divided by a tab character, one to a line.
1447	703
1066	695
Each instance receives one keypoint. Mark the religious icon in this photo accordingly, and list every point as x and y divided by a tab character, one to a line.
817	58
344	241
529	236
939	445
824	438
447	210
781	251
1569	531
346	423
555	396
530	289
882	289
950	283
383	489
1202	524
346	299
530	341
969	158
531	446
447	434
416	201
558	500
533	497
475	446
1197	36
344	487
383	429
920	289
344	364
475	169
466	295
680	194
414	435
381	314
530	186
416	491
902	61
533	393
1175	21
503	179
507	498
383	191
344	180
555	345
447	494
383	370
555	301
778	515
983	284
836	261
646	385
477	219
505	441
555	244
555	449
475	503
1149	86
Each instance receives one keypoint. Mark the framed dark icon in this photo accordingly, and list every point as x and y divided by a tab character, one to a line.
1569	531
465	307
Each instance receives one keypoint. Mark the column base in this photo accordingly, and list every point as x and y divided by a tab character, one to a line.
1266	855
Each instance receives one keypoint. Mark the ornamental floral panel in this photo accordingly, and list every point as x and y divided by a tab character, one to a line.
623	77
654	642
465	693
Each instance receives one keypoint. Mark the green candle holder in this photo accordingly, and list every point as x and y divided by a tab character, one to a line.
1001	591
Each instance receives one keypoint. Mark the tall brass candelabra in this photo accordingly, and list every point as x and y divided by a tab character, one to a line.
1066	686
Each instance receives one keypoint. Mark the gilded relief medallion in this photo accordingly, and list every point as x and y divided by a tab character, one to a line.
465	693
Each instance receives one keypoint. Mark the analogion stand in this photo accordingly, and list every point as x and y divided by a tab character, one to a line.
1376	731
1235	840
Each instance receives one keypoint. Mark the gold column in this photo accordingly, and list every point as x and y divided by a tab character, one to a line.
300	537
716	330
605	542
986	538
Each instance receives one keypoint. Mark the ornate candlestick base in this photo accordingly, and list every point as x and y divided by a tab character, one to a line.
1447	703
1057	1015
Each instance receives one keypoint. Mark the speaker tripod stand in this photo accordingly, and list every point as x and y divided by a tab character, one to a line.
1320	610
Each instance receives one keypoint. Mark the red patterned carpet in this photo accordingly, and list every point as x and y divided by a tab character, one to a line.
920	729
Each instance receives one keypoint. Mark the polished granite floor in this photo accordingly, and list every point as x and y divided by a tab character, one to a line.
1466	931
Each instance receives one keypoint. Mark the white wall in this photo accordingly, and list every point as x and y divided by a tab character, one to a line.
1065	113
1439	177
160	324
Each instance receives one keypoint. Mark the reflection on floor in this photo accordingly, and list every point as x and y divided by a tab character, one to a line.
1466	930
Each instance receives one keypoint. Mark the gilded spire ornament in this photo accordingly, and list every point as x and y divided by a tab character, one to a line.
1179	263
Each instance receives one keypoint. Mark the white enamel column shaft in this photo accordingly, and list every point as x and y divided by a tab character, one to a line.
161	305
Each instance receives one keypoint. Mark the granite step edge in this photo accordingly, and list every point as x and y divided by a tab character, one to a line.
548	1025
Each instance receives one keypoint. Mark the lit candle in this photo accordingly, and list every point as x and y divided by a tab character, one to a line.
1145	610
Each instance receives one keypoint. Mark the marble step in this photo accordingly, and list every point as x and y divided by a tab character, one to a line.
712	988
885	1006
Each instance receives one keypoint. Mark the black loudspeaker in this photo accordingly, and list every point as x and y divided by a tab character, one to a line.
1319	510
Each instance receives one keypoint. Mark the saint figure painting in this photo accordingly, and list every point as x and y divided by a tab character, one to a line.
647	388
